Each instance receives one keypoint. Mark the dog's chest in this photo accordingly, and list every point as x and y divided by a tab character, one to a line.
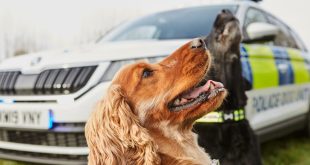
191	149
179	144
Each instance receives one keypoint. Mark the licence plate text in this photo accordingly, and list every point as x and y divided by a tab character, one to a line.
25	119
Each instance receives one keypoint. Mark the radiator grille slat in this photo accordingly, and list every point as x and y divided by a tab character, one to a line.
1	77
82	78
57	86
7	82
38	89
47	89
79	79
3	80
11	89
67	85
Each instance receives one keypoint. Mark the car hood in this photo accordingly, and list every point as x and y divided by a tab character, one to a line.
91	54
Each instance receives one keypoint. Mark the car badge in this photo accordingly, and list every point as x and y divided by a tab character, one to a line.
35	61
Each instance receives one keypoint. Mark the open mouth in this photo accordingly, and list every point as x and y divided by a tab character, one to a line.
204	91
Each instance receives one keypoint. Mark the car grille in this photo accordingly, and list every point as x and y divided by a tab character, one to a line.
45	138
7	81
52	81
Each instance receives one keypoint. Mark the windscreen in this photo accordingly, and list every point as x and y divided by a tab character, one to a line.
177	24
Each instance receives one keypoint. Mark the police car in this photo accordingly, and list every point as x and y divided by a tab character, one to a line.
46	97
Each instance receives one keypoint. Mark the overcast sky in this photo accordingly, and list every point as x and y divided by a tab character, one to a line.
63	23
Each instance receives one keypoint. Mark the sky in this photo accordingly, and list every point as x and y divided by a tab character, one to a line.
36	25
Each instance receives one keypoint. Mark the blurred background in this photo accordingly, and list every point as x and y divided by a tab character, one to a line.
28	26
34	25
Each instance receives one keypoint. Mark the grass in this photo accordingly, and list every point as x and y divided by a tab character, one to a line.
9	162
293	149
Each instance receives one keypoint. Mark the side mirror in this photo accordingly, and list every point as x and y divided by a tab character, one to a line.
261	31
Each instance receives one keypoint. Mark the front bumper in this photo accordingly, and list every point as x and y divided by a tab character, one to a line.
43	158
64	143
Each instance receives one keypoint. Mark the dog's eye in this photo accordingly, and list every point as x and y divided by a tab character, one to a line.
147	73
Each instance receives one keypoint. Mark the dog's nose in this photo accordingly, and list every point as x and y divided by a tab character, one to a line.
197	43
226	11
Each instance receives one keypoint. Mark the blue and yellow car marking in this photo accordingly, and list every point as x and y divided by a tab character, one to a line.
285	70
246	67
299	66
272	66
264	71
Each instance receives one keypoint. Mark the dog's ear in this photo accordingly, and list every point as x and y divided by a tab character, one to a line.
115	136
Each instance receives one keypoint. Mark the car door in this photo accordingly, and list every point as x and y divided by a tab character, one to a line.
277	74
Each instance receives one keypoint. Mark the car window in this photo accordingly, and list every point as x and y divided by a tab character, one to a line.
143	32
284	37
176	24
254	15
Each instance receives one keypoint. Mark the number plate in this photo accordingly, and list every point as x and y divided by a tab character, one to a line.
35	119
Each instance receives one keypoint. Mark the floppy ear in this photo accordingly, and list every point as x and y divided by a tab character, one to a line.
115	136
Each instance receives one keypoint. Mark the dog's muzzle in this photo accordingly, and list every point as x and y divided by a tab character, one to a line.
198	43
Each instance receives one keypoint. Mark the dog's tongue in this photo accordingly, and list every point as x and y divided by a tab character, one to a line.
210	85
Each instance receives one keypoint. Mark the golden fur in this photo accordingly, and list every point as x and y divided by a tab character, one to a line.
133	125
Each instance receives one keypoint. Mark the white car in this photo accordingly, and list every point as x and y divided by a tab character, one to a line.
46	97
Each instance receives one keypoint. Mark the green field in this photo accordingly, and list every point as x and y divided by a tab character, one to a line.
293	149
7	162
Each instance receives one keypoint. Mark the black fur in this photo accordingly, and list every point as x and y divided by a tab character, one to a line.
233	143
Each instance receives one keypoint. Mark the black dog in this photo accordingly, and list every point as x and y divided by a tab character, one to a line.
232	142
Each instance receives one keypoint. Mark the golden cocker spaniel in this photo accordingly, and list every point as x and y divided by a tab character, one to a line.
147	115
